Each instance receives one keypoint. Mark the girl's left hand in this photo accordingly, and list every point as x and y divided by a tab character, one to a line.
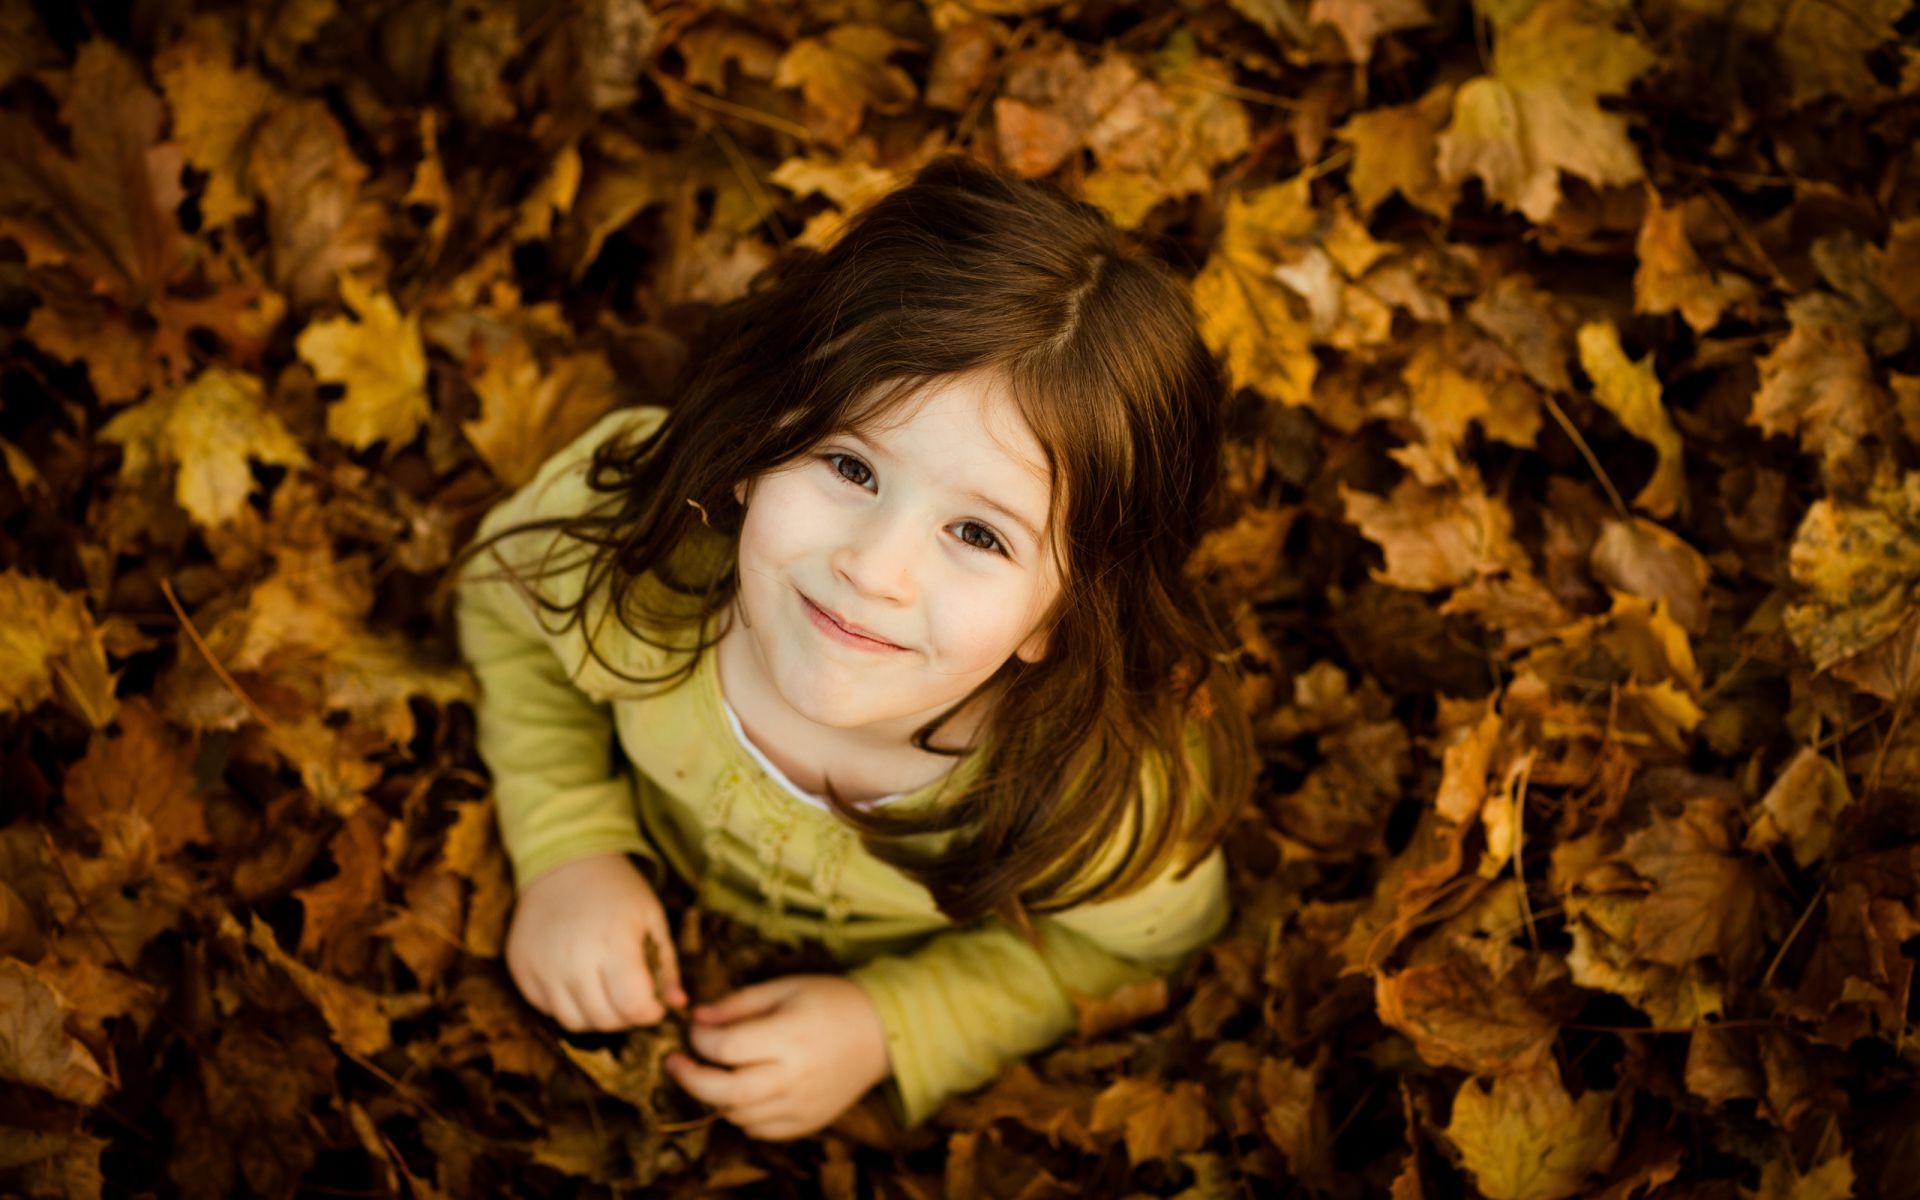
796	1052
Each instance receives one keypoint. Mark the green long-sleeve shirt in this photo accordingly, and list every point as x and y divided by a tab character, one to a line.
957	1003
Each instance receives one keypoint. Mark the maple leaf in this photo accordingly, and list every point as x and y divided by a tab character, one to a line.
50	648
1163	139
1631	391
1858	567
215	107
34	1045
1158	1121
1780	1179
1294	1115
322	226
1525	1138
208	433
1707	899
1458	1013
843	73
1819	384
1244	312
1396	149
1815	50
526	412
380	360
144	773
1435	537
1537	114
1362	22
1801	807
1649	561
1671	277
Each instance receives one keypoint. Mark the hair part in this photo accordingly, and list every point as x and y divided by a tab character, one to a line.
967	269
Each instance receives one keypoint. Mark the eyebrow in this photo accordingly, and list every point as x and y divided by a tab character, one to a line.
977	497
1004	511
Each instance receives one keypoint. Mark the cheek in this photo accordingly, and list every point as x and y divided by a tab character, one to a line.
979	628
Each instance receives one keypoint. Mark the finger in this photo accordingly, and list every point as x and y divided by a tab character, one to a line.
630	993
736	1045
676	995
567	1012
590	999
768	1122
720	1087
746	1002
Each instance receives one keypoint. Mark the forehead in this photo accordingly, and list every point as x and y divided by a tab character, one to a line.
964	426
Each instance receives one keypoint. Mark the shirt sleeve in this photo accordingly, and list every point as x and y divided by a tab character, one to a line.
558	793
968	1002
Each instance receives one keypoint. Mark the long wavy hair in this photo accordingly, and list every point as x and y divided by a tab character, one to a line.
964	269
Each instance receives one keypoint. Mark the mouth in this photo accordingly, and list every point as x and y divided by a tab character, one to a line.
833	626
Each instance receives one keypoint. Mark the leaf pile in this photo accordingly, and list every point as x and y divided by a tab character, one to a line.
1574	545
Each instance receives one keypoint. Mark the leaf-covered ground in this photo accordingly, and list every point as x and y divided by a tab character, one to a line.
1575	555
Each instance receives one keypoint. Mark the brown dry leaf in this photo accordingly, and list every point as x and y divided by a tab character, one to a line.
1396	150
1159	1122
1649	561
141	773
1631	391
322	225
1819	384
1537	113
1819	50
1099	1016
1245	313
1294	1115
1362	22
207	433
1707	898
1525	1138
1781	1180
1671	277
1167	137
50	648
1801	807
35	1048
842	74
526	412
1858	568
216	106
380	360
1435	537
1458	1013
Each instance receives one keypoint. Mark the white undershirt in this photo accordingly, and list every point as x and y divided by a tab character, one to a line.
776	774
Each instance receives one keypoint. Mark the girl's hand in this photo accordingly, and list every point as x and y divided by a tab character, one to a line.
796	1052
578	945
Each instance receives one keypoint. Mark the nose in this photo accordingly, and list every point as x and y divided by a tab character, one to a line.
878	556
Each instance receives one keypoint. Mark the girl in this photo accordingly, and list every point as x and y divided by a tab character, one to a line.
902	655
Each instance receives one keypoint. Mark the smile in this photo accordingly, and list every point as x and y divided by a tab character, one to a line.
830	625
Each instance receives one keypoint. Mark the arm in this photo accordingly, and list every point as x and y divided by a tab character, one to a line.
962	1006
547	743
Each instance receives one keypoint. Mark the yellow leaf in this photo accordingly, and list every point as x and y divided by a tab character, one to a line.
1435	537
527	413
1245	313
1538	114
49	646
380	360
1858	567
1801	807
1631	391
1395	149
1671	277
1819	384
208	432
1158	1122
1524	1138
216	107
843	73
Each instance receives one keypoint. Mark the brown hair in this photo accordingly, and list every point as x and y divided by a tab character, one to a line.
967	269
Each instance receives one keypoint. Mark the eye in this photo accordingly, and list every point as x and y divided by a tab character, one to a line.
849	468
982	538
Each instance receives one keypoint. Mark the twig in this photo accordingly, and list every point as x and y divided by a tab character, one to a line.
167	587
1586	451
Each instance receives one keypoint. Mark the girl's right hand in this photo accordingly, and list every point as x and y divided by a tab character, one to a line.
577	947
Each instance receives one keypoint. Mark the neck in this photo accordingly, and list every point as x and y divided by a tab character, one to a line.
878	759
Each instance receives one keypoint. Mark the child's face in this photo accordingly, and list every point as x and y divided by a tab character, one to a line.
927	534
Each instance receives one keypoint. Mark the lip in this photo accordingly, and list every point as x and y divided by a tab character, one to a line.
844	632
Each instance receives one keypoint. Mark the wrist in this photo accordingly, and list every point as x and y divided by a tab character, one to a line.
879	1057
